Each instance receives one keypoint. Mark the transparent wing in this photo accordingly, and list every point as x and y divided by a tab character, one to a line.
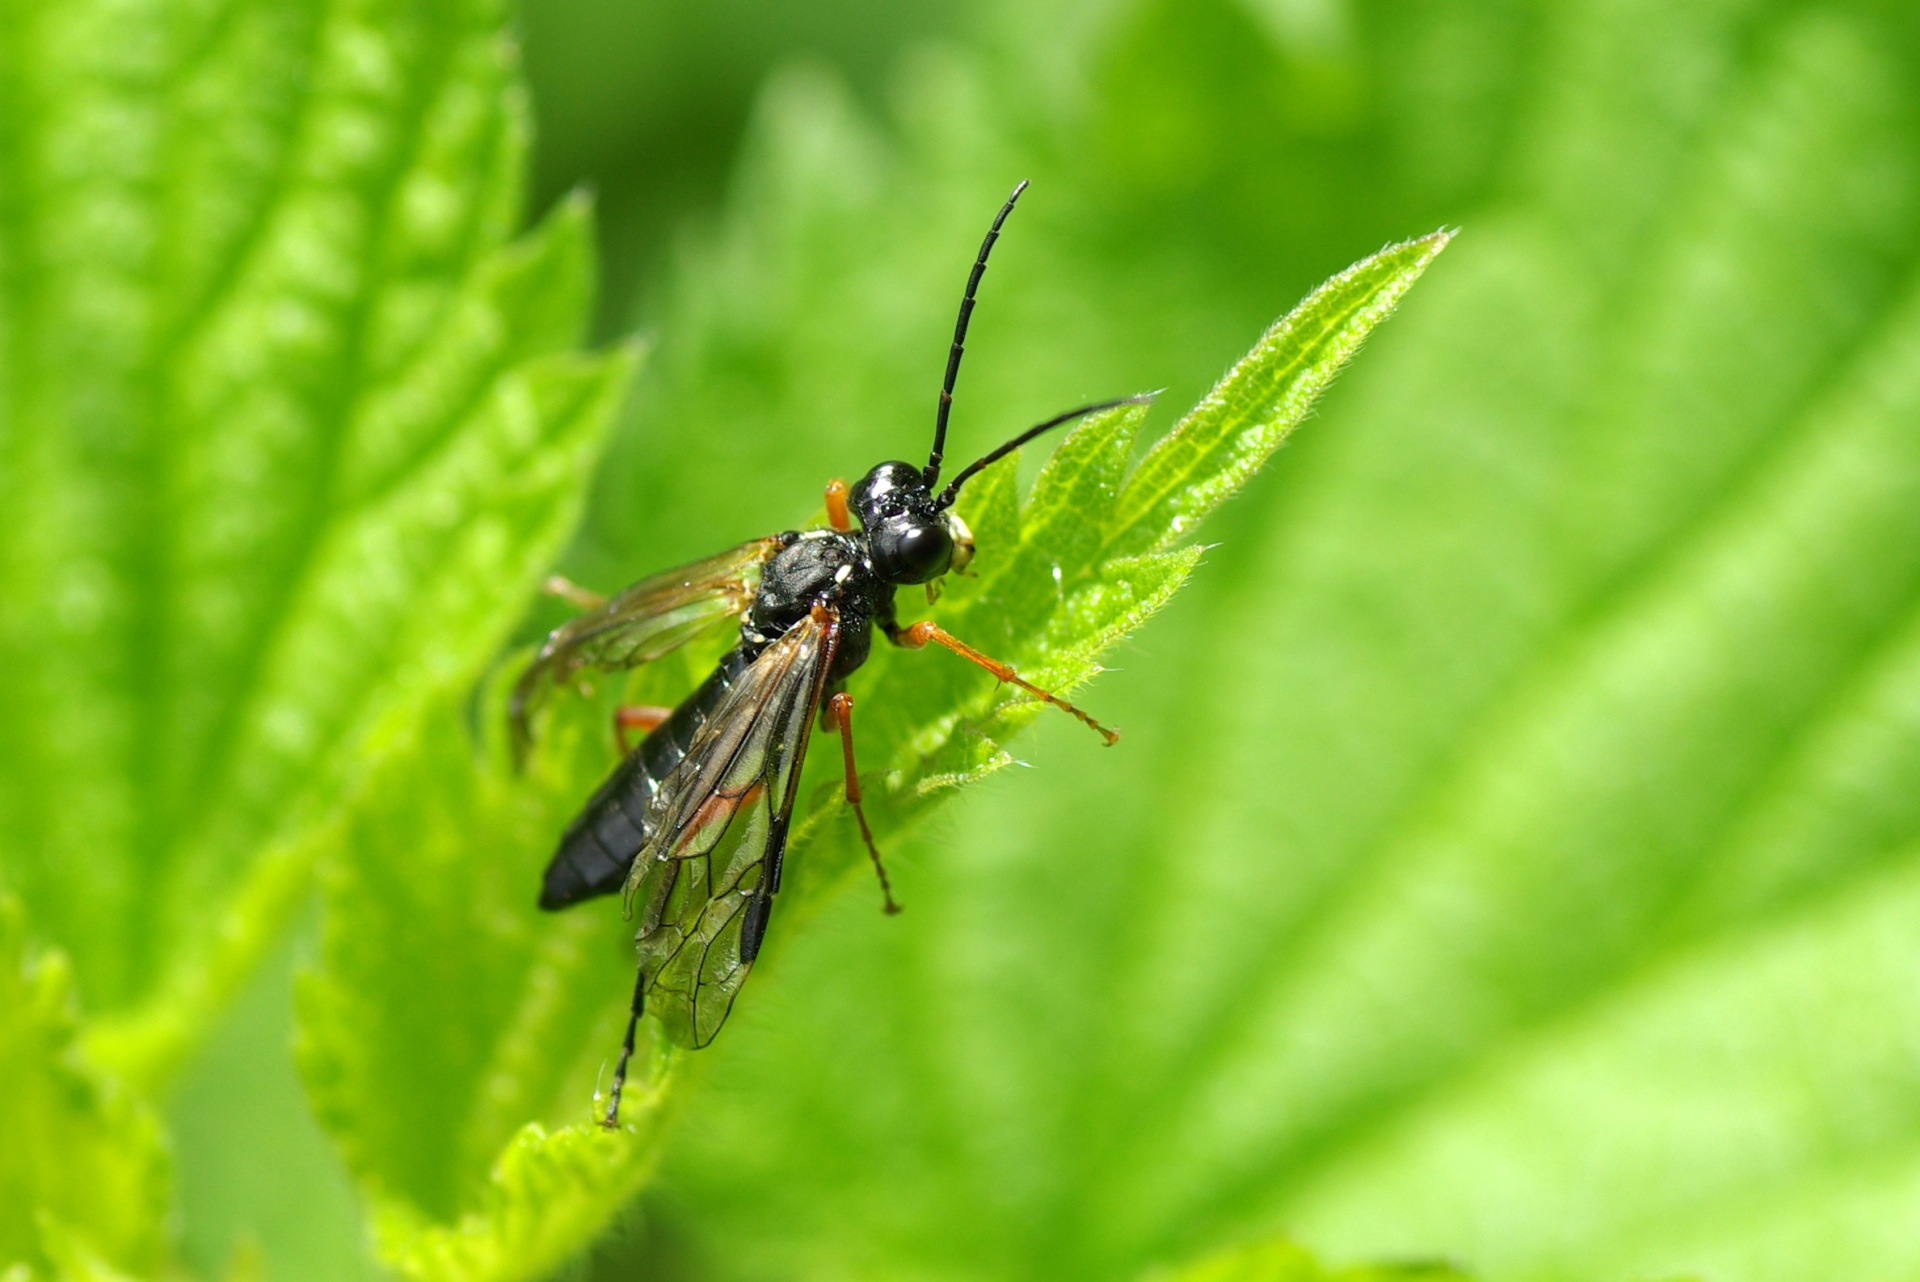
642	623
702	888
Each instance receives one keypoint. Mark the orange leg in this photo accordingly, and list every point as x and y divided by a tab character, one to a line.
840	717
920	633
572	593
837	515
640	717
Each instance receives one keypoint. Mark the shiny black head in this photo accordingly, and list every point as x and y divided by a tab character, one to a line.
909	537
912	534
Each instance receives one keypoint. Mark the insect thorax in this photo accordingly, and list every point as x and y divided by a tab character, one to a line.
819	567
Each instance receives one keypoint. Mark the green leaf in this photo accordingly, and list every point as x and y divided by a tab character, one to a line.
547	1196
1250	414
1511	855
1279	1261
286	427
452	1039
83	1173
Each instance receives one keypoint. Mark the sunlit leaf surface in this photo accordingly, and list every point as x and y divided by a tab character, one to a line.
83	1173
284	430
1280	1261
287	426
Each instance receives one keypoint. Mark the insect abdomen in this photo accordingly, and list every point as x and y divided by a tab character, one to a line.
599	845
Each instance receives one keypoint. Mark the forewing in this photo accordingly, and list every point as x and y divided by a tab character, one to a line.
720	828
642	623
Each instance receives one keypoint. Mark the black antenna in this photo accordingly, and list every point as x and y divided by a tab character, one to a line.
952	491
960	338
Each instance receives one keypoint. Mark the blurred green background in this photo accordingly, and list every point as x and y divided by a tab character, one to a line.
1511	854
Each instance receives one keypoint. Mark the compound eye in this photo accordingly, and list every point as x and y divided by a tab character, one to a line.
912	551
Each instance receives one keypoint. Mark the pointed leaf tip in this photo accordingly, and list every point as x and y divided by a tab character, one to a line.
1217	447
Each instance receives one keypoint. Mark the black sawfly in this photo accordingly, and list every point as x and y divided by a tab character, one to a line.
693	822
